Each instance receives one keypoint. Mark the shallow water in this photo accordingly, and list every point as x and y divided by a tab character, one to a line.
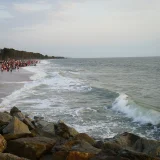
102	97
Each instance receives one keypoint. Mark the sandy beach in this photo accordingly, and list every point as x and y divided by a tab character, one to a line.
11	81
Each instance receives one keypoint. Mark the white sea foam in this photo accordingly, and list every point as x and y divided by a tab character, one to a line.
43	76
139	114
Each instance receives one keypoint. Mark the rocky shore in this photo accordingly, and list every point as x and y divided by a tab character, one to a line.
23	138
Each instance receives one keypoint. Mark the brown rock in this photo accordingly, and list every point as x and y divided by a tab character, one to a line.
75	155
85	137
16	127
8	156
31	148
60	155
16	136
3	143
77	145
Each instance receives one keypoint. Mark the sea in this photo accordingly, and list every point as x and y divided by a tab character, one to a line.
102	97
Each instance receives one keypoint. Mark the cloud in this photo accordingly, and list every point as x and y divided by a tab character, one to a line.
4	14
32	7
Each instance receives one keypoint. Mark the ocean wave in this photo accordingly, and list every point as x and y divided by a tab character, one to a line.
138	113
44	76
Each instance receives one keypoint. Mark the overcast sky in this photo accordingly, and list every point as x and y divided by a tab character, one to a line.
82	28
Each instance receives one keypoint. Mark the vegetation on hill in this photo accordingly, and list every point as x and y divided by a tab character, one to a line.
15	54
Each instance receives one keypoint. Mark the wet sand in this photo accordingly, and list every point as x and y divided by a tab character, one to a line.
11	81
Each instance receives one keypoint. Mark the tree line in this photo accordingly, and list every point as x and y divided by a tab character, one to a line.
15	54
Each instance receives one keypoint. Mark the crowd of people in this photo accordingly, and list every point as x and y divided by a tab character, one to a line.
11	64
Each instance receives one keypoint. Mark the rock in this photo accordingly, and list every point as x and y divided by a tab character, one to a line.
8	156
3	143
85	137
74	149
112	146
136	156
16	127
65	131
77	145
17	113
46	157
75	155
45	128
36	118
1	128
83	146
122	155
133	142
14	110
31	148
16	136
126	140
149	147
4	118
99	144
60	155
28	122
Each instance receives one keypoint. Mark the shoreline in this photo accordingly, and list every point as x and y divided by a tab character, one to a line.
12	81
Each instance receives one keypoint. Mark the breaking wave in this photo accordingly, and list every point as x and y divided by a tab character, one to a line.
138	113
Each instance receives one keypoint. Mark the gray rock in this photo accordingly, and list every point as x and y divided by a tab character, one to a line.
14	110
65	131
45	128
4	118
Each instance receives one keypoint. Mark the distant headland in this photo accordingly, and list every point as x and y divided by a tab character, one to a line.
16	54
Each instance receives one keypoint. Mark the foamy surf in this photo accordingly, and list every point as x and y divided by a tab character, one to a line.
44	77
139	114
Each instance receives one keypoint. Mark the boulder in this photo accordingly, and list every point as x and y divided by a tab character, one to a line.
46	129
3	143
4	118
17	113
29	123
149	147
83	146
46	157
122	155
75	155
135	143
8	156
79	149
31	148
37	118
60	155
14	110
126	140
136	155
16	136
65	131
16	127
85	137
